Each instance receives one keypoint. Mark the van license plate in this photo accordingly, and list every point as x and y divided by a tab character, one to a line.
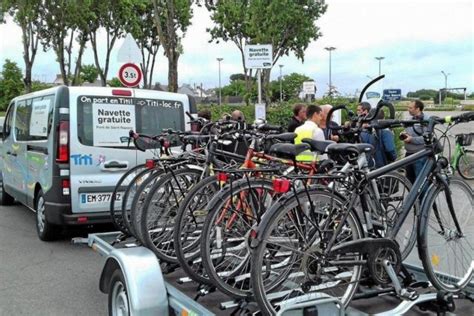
99	198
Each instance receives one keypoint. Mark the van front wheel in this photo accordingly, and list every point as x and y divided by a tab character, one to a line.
5	198
46	231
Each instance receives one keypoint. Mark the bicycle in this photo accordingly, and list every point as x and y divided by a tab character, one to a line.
297	254
463	159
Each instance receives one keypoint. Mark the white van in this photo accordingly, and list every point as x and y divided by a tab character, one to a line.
65	148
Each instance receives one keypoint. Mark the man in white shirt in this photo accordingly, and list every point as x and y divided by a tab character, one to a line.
310	129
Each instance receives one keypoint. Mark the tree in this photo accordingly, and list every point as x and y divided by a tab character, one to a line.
66	22
11	83
89	73
235	88
289	26
292	85
142	27
27	14
235	77
113	16
170	17
115	82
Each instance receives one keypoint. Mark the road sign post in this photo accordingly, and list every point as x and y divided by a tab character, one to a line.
258	57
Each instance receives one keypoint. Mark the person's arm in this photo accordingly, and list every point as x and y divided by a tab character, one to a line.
412	139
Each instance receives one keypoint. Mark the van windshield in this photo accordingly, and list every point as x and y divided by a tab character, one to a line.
106	121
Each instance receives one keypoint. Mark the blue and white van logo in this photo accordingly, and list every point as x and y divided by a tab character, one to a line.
82	160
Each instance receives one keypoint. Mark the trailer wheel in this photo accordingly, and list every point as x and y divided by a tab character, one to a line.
119	304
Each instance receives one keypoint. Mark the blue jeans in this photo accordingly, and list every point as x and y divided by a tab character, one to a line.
414	169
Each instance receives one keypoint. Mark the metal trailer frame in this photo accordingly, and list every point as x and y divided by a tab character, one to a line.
149	294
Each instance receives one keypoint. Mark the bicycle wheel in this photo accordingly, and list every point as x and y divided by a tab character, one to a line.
160	209
288	265
130	194
115	202
136	209
466	165
224	242
393	188
190	219
446	255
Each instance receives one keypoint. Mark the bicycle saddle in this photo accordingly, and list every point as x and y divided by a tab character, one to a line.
285	137
348	152
319	146
288	151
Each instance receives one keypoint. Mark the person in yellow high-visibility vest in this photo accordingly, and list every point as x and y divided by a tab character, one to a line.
309	129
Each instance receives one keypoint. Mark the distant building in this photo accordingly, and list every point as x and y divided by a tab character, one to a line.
59	80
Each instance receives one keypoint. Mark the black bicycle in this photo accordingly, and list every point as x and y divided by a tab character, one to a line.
312	240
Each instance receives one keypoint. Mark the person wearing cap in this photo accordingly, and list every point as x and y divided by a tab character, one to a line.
299	116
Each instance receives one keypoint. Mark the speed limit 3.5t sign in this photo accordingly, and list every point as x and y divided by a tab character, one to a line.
130	75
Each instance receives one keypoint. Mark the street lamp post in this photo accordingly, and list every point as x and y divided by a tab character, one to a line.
330	49
380	63
281	88
445	85
220	92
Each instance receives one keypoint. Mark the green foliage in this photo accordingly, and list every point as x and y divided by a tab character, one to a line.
288	25
29	16
172	18
38	86
291	86
11	83
235	88
114	82
430	94
89	73
235	77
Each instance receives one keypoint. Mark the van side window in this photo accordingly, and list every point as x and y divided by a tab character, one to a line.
7	125
41	117
22	120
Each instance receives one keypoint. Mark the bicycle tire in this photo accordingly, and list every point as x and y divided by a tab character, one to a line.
115	214
280	218
440	261
129	194
236	281
188	220
465	165
138	201
393	201
160	208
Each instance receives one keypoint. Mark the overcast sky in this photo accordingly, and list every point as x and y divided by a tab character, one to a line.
418	39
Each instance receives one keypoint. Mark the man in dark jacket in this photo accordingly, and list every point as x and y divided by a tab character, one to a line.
413	139
299	116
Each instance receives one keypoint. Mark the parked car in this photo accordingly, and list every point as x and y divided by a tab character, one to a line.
65	148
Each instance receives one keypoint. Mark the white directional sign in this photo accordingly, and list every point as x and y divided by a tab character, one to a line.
309	87
258	56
